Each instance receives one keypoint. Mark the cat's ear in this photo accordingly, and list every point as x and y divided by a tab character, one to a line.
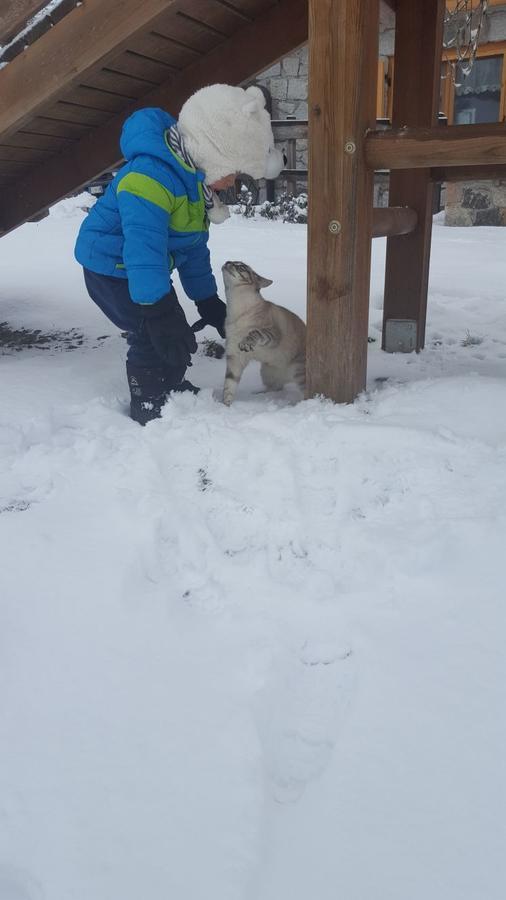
264	282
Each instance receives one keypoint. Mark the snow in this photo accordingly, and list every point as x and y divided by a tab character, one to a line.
257	652
34	20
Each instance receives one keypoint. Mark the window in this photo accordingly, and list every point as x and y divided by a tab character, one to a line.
478	94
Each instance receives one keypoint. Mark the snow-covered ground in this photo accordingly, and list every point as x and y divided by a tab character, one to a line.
253	653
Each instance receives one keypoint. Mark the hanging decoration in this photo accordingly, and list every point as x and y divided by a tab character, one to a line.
463	24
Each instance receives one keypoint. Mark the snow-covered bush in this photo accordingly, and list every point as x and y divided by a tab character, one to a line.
287	207
245	206
294	209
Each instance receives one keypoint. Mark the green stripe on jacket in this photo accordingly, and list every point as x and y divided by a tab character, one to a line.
185	215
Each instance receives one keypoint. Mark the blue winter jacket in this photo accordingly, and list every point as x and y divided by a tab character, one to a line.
151	218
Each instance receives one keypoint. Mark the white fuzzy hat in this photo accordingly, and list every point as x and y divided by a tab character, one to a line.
227	129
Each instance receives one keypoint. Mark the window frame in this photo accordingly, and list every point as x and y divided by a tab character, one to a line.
494	48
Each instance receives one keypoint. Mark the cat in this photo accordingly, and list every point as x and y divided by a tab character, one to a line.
258	329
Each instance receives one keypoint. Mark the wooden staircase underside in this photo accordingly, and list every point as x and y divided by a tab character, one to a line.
65	97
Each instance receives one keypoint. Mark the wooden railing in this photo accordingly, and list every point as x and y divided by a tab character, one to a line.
289	131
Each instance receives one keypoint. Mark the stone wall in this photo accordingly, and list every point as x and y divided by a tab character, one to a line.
287	83
470	203
476	203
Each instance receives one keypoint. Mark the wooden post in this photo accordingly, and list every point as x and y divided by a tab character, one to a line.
418	48
343	65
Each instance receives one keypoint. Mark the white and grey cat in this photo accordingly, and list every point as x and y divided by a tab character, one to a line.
258	329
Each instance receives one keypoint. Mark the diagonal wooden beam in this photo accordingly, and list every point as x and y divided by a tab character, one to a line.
89	35
250	50
14	14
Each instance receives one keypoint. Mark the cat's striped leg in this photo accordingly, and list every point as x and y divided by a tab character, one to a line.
299	373
260	337
235	368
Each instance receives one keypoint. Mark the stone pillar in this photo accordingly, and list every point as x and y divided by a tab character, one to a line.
475	203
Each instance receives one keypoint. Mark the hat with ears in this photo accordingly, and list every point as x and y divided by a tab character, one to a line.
226	130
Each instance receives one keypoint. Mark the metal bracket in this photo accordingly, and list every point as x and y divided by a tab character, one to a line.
400	335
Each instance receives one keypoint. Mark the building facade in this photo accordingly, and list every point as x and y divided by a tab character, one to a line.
479	96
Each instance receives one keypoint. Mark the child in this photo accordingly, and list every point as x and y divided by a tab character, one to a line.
154	218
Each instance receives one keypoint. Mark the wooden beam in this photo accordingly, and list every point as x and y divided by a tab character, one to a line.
288	129
250	50
422	148
418	45
92	33
14	14
469	173
393	220
343	59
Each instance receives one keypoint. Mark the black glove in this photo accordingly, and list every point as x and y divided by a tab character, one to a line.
169	332
212	312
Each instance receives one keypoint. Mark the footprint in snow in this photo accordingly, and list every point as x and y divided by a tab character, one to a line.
300	713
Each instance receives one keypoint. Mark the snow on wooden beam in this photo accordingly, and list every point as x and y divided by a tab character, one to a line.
14	14
251	49
423	148
89	35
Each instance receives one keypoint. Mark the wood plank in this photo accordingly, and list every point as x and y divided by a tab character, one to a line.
15	167
421	148
92	33
251	8
213	16
14	14
252	49
240	14
165	49
94	98
74	113
343	51
418	42
186	32
286	130
22	154
45	142
118	83
133	63
469	173
49	144
56	128
43	23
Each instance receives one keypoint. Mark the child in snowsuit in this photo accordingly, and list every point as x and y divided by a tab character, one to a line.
154	217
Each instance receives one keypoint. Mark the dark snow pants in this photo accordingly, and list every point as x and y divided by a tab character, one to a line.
112	296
